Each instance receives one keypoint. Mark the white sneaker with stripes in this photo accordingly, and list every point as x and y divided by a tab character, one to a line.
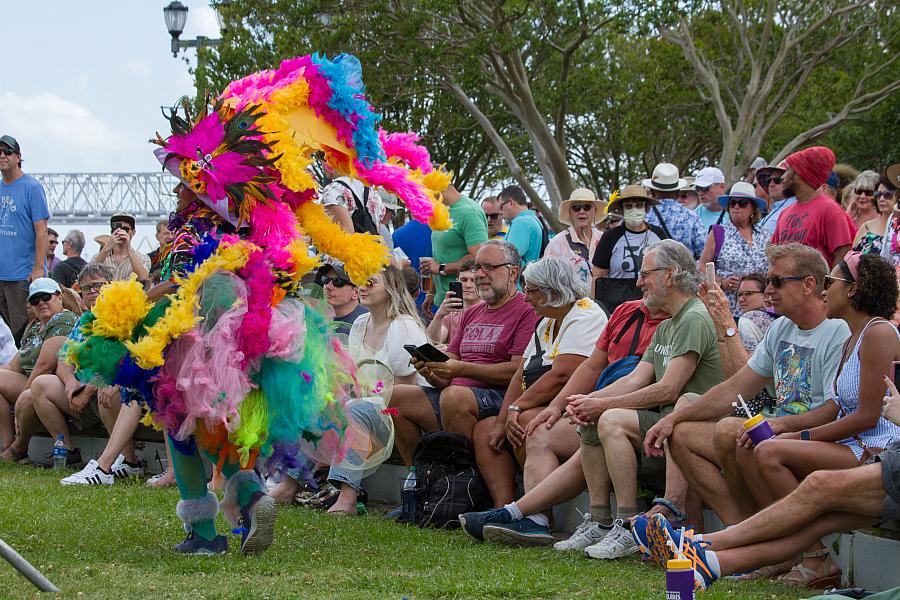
120	469
89	475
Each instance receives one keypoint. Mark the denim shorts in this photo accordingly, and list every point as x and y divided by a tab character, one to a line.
890	475
489	401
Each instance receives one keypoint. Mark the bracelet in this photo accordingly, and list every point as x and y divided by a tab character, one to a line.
513	408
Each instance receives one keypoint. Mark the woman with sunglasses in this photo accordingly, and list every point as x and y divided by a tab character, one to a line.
870	237
37	355
862	290
864	206
577	244
739	247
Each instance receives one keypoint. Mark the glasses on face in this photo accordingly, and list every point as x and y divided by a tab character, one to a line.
528	291
776	281
488	269
52	242
645	273
830	279
869	193
335	281
702	188
124	226
92	287
38	298
492	216
739	202
7	151
775	180
884	195
582	207
748	293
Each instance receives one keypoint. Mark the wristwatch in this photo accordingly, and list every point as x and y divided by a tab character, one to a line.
730	332
442	269
804	435
513	408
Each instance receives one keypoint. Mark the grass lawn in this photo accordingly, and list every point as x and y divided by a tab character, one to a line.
114	543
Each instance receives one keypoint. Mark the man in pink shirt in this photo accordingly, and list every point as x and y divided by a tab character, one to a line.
484	352
815	219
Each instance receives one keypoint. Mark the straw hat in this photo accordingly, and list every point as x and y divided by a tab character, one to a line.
581	196
631	192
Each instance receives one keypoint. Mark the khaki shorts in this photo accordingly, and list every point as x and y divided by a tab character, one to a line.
90	417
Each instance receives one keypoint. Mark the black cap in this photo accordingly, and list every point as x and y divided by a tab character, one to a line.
338	270
10	141
123	218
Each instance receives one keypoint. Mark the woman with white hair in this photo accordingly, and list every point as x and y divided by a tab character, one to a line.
564	337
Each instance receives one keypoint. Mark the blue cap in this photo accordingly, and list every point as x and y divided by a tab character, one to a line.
833	180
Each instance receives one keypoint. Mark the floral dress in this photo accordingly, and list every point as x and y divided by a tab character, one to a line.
737	257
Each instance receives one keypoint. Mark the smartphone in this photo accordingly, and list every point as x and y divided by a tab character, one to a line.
455	288
710	273
426	353
896	373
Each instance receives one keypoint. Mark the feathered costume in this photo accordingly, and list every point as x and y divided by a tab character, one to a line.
236	363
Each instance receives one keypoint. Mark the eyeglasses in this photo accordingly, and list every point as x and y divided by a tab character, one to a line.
492	216
776	281
739	202
829	279
748	293
124	226
775	180
335	281
644	274
92	287
864	192
7	151
52	242
702	188
884	195
581	207
38	298
489	268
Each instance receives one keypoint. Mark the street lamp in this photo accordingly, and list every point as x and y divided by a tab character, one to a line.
176	13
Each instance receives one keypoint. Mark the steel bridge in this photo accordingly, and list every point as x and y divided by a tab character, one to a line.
94	197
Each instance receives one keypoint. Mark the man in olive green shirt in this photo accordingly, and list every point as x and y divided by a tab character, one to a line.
455	246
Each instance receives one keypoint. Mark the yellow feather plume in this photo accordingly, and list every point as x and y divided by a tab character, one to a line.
119	308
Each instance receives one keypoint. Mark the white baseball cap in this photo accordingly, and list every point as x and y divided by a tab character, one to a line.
43	285
709	176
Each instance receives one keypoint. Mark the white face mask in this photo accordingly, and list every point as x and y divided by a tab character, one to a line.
635	216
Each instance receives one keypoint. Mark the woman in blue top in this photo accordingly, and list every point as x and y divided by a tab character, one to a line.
849	429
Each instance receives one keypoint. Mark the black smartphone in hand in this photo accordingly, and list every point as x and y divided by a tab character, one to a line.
455	288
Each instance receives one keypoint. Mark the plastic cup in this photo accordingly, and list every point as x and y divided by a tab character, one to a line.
426	279
758	429
679	579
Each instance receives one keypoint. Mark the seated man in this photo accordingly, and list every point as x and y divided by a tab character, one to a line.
485	352
799	352
341	295
826	502
550	440
56	395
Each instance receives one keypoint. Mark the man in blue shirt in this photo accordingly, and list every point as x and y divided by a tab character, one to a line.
23	234
525	230
710	184
414	238
676	220
770	178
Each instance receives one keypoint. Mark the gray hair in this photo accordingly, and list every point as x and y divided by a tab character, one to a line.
76	240
556	277
510	253
670	253
95	270
867	180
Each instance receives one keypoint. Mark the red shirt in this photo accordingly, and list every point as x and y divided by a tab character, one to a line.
488	336
819	223
617	345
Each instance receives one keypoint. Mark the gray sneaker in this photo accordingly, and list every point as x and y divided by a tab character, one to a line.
588	533
615	544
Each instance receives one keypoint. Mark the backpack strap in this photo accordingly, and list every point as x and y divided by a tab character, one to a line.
362	220
721	216
638	318
718	232
662	222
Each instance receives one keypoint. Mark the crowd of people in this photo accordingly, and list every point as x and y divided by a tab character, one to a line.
624	352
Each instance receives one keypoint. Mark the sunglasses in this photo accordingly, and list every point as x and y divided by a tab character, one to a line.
830	280
632	205
582	207
7	151
335	281
38	298
775	180
52	243
120	226
864	192
739	202
884	195
702	188
492	216
776	281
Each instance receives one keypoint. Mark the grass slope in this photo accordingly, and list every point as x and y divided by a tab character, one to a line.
114	543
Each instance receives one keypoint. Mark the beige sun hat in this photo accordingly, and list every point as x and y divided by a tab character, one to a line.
580	196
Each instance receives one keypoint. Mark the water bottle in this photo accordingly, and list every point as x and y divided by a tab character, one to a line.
408	497
60	453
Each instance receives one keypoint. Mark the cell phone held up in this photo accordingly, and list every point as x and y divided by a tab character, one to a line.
455	288
426	353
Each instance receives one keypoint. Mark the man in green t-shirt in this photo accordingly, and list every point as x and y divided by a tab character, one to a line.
682	357
455	246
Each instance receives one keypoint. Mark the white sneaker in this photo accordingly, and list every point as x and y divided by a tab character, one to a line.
587	533
615	544
120	469
89	475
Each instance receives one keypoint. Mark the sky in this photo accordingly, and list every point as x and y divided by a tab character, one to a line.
83	82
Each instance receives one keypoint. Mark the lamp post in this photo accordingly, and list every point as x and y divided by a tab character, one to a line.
176	13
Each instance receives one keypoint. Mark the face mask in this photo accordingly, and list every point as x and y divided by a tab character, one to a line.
635	216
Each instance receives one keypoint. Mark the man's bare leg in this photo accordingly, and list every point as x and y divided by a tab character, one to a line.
546	449
733	468
459	410
497	468
620	435
120	434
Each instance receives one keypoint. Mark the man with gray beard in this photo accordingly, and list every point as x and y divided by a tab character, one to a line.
484	352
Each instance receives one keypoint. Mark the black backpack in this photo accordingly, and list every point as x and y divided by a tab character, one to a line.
448	482
362	220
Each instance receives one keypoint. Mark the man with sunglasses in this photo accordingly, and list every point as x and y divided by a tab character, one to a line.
526	232
119	255
770	178
799	354
23	234
495	226
710	184
341	295
815	219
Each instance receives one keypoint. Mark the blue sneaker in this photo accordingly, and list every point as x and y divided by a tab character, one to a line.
257	523
473	522
519	533
656	538
198	546
664	540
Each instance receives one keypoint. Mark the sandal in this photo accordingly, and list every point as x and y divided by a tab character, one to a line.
678	518
820	577
769	571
